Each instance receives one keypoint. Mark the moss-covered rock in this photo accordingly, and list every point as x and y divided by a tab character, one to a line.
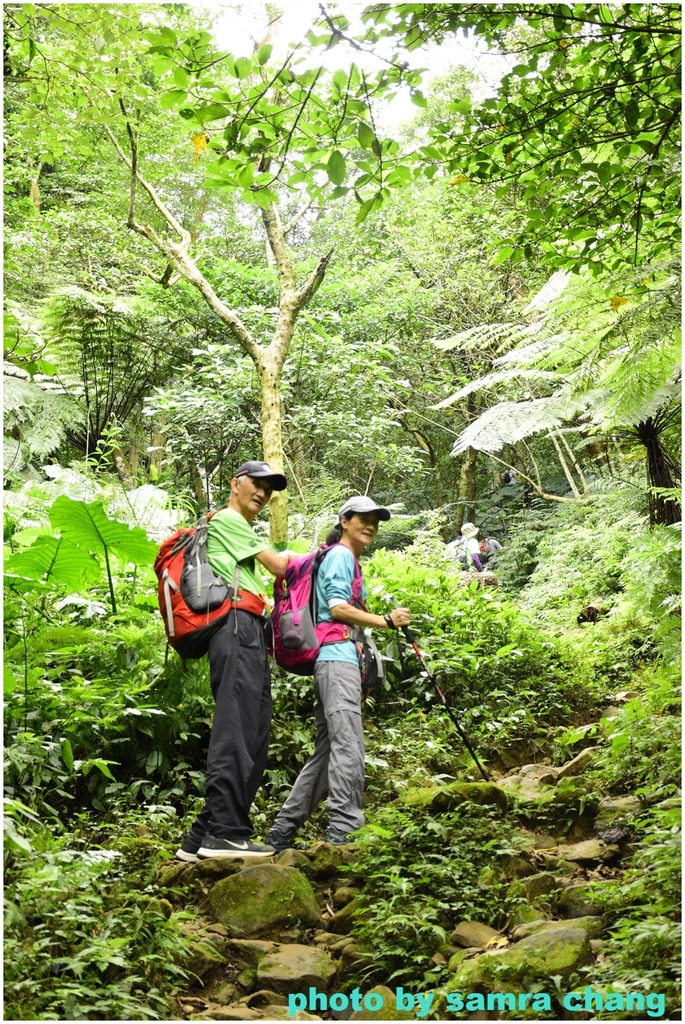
470	934
341	923
591	925
536	886
446	798
294	968
263	899
539	956
387	1011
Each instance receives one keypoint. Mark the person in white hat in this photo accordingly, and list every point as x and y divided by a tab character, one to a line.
469	533
337	765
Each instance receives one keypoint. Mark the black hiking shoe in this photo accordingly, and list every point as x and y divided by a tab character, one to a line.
336	836
187	851
284	840
233	849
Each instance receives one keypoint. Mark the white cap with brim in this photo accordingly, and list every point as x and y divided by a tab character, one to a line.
362	503
468	531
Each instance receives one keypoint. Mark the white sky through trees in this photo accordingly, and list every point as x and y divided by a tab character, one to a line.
237	26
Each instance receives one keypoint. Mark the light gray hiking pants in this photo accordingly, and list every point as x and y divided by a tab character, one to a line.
337	765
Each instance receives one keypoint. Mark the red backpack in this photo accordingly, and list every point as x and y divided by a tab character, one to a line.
297	635
193	599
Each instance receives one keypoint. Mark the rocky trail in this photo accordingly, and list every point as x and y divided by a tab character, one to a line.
265	934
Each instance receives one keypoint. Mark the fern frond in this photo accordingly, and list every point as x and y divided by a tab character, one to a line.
509	422
487	335
495	378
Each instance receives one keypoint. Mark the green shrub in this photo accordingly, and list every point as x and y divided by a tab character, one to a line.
84	936
423	873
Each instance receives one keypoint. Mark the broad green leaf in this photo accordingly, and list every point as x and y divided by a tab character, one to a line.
68	755
264	53
55	560
169	99
365	135
101	765
417	98
340	79
336	167
88	524
9	682
365	209
243	67
212	112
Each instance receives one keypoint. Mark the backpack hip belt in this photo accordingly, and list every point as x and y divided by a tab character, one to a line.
246	601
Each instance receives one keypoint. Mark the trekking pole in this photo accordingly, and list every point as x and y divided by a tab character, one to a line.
443	699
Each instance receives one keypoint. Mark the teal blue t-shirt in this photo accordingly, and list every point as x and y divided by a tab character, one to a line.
334	580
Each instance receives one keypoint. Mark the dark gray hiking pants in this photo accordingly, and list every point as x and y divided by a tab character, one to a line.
337	765
236	759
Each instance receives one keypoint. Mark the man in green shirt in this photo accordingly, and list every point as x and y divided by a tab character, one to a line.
239	675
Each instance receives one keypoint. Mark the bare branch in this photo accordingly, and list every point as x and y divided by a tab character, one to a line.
298	217
311	286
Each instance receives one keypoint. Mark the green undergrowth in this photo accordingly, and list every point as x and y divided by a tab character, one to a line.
85	935
423	873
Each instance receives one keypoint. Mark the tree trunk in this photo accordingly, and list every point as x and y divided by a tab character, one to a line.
268	360
272	442
466	507
662	471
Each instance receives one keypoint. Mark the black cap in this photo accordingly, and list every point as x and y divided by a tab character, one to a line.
262	471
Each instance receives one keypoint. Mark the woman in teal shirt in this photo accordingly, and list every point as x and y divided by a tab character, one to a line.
337	765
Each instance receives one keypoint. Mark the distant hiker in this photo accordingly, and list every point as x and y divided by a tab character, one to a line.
239	675
337	765
509	477
489	550
469	532
456	549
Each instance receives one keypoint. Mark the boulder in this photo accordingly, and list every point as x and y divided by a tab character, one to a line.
542	773
536	886
205	956
293	968
343	895
542	841
215	868
263	899
342	922
225	995
387	1010
265	997
277	1012
590	852
324	860
577	765
473	933
591	925
293	859
540	956
248	952
577	900
447	797
519	867
613	810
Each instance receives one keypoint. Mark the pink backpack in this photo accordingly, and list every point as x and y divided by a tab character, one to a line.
297	636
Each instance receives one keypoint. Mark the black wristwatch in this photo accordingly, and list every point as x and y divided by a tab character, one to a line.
389	623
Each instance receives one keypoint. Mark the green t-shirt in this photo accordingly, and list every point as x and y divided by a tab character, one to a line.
231	539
